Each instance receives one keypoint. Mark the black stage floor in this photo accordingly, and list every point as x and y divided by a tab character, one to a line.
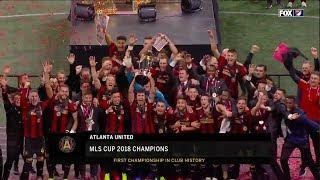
190	29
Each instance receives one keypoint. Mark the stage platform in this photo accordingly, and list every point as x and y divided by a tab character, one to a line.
183	29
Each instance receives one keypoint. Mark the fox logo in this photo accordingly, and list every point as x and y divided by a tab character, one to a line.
290	12
298	12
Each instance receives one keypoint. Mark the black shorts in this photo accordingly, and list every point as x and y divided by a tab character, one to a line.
34	146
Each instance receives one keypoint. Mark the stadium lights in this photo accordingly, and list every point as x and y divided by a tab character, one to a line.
191	6
83	11
147	12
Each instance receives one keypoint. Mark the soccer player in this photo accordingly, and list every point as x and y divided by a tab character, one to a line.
140	107
14	127
164	78
193	98
116	49
162	118
297	137
88	116
206	122
183	83
231	71
261	113
60	106
117	119
33	133
183	117
310	101
117	122
209	82
274	127
306	68
239	124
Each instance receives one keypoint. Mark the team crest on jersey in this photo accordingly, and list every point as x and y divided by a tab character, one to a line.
67	144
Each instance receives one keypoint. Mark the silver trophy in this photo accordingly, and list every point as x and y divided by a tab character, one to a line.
144	68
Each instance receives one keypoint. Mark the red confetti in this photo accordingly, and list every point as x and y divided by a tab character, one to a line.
3	34
2	54
34	5
34	31
44	41
10	7
42	18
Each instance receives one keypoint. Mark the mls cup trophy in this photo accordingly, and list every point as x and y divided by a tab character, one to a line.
145	64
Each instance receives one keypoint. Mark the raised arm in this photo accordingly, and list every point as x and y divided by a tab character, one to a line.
127	59
6	101
71	59
147	47
250	87
257	106
46	71
315	55
108	38
213	44
152	88
96	81
131	89
172	46
254	49
292	70
288	64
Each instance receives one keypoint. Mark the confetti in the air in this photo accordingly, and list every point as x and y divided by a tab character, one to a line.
3	34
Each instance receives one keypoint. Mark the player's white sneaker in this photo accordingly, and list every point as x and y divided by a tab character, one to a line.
303	4
290	4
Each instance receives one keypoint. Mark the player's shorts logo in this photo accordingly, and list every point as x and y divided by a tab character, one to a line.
67	144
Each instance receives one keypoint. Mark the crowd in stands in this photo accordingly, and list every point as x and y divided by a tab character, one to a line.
174	93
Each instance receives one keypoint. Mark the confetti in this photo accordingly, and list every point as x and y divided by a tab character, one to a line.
3	34
42	18
10	7
34	31
44	41
2	54
34	6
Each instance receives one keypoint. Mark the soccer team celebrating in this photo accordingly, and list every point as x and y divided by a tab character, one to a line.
176	94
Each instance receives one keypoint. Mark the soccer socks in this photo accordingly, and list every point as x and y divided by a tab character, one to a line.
107	176
124	176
